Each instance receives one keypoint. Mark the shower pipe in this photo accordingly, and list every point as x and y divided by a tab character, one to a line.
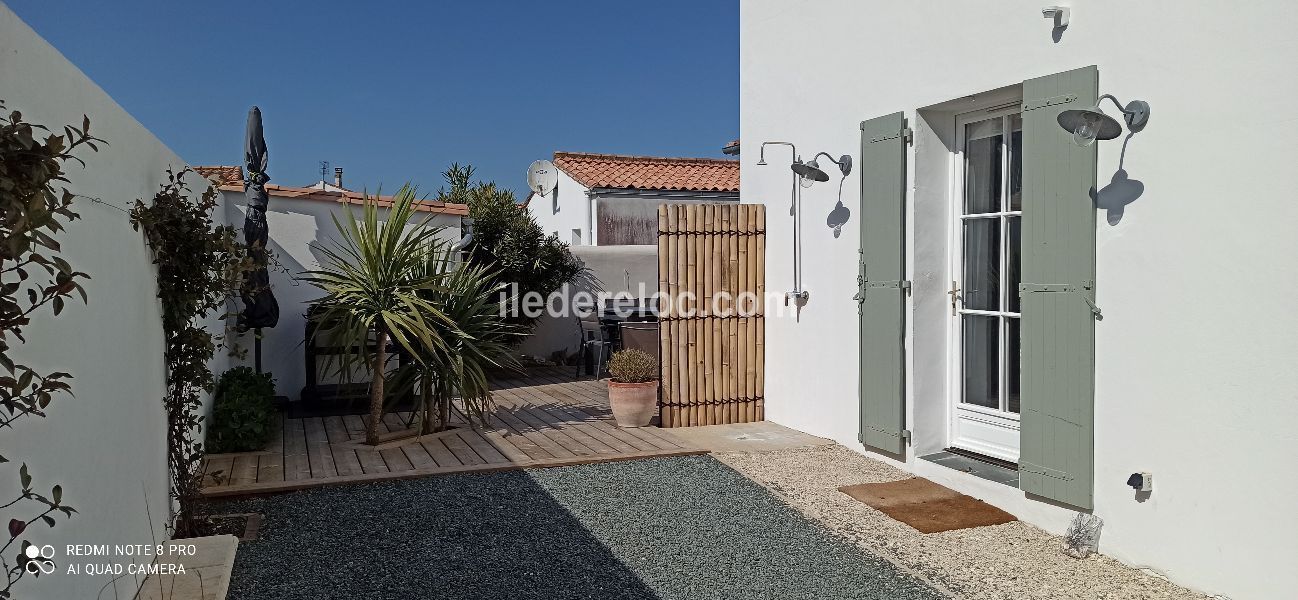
795	199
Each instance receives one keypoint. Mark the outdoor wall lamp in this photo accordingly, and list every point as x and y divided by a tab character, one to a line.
1090	124
844	163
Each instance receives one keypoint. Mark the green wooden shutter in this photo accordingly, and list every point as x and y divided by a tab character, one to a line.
1057	334
882	290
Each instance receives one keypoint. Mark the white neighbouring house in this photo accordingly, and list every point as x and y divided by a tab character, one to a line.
299	221
613	199
1153	300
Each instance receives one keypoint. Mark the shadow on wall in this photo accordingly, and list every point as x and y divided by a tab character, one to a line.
1121	190
283	345
838	217
1057	33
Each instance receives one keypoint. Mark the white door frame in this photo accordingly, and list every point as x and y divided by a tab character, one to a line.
991	432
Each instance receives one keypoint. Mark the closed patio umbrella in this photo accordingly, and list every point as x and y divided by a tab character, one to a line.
259	306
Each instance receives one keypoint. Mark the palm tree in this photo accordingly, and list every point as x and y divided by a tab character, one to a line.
375	280
476	338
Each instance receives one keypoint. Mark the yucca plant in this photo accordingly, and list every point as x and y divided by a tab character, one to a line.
375	280
476	338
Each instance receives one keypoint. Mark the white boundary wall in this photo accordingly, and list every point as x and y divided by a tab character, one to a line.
106	446
618	270
298	228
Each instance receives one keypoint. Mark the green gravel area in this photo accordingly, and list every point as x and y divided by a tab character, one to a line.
673	528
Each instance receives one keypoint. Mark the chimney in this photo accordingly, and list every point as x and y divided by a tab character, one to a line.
338	176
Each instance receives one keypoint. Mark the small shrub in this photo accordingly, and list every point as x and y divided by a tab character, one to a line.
632	366
244	415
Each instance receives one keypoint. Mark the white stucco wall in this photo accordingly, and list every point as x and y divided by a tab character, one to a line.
1194	360
107	445
564	209
297	229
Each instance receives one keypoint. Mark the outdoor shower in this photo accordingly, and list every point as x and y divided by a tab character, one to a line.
804	175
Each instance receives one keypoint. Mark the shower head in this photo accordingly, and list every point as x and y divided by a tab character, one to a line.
809	170
761	155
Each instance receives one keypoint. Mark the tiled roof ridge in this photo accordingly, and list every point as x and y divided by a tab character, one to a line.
634	157
223	174
621	171
308	193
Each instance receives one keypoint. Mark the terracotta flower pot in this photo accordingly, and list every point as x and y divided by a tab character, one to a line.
633	404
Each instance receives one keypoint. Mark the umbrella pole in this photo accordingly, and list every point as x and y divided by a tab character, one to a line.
256	349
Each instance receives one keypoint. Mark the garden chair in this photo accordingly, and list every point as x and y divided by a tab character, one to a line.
595	345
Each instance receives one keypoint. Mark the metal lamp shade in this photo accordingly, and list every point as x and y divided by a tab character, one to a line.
1107	127
809	171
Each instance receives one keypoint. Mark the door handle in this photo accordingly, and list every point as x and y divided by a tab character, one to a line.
955	295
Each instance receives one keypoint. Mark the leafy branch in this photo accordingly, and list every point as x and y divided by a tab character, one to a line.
32	213
199	264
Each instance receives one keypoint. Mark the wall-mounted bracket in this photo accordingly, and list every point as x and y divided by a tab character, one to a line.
1058	13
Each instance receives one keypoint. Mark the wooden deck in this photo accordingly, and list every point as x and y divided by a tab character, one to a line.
543	420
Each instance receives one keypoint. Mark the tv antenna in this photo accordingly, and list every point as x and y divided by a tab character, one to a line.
324	173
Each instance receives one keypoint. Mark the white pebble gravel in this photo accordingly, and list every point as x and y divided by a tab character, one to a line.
1014	560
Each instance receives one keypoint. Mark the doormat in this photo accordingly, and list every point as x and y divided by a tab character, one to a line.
927	506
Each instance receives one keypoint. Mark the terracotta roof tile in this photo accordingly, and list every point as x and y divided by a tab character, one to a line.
279	191
650	172
221	175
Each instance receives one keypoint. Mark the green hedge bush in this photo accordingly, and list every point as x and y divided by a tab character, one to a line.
243	417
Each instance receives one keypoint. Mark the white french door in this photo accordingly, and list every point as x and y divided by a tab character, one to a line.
987	215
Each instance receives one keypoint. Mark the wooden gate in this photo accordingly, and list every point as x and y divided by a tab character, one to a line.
711	281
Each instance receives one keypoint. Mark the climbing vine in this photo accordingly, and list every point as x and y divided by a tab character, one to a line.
200	264
33	277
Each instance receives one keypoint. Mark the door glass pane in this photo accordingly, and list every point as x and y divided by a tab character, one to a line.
1013	259
982	360
1016	162
982	168
982	262
1012	363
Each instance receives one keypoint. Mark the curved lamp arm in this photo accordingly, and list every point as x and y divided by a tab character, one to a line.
844	162
1135	113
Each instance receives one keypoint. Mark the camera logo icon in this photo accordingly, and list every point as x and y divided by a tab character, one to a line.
38	559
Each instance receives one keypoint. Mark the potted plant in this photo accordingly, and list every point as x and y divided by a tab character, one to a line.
633	387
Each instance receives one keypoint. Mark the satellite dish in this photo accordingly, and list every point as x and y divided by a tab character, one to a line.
542	176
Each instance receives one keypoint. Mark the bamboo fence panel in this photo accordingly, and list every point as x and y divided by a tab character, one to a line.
711	279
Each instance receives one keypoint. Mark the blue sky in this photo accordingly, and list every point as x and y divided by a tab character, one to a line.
397	91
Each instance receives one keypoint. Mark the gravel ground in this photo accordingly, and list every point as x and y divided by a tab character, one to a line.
1014	560
674	528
